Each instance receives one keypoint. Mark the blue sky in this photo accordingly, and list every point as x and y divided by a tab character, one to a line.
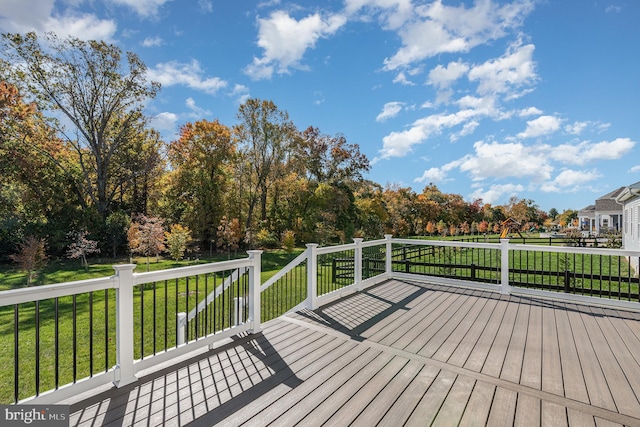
487	99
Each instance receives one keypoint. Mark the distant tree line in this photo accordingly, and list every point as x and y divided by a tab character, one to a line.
82	171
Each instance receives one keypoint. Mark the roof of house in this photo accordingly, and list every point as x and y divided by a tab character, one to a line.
587	210
629	193
608	201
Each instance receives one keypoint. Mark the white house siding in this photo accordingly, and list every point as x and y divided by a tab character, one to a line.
631	231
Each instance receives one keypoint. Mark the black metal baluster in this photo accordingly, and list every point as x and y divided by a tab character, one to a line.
197	323
166	315
206	305
215	303
16	359
90	334
142	321
37	345
56	345
75	341
155	317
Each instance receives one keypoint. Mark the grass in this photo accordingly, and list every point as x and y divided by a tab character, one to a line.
93	329
156	305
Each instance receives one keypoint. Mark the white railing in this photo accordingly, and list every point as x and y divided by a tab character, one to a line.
124	282
372	262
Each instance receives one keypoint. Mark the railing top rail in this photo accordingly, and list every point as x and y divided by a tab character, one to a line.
575	249
192	270
374	243
450	243
38	293
332	249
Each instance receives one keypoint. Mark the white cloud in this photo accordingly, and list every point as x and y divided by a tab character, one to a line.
399	144
569	180
437	174
586	151
466	130
543	125
434	175
635	169
570	177
403	80
152	41
531	111
495	192
196	111
206	6
389	110
285	41
240	93
393	13
443	77
509	160
144	8
190	75
437	28
576	128
21	16
165	121
507	74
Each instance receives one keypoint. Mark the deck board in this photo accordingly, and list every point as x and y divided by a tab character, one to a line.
400	353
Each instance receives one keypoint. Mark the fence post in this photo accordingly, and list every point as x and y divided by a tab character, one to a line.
254	290
124	373
312	276
357	265
567	281
505	288
388	269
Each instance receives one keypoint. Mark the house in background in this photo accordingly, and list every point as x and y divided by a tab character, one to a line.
629	200
605	215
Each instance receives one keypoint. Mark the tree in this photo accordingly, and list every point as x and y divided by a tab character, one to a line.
229	235
146	236
35	196
289	240
117	224
264	135
81	247
202	161
86	82
177	241
431	228
31	256
553	213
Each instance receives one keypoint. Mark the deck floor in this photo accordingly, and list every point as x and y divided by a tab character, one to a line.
401	353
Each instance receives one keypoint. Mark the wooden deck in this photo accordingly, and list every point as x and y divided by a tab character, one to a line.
401	353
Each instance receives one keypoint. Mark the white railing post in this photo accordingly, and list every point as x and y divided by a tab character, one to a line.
357	264
124	373
254	290
312	276
505	288
388	266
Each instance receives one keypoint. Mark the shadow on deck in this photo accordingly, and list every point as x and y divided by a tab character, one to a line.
401	353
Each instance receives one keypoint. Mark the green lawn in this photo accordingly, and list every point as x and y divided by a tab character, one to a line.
155	306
